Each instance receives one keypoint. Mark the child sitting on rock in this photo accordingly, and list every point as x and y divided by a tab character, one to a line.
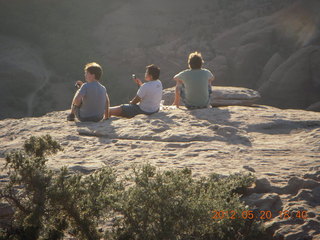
147	100
91	101
193	86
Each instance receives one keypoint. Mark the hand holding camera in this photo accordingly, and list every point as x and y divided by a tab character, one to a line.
78	84
136	80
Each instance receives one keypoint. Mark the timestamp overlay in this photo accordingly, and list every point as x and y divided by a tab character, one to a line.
258	215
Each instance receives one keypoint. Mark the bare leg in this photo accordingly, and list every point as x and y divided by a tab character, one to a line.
71	116
116	111
177	97
73	109
72	106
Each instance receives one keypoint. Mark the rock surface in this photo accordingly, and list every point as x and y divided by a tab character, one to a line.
281	90
278	55
222	96
6	214
281	147
23	74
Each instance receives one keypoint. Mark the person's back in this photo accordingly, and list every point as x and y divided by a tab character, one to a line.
151	95
193	85
147	99
196	86
93	101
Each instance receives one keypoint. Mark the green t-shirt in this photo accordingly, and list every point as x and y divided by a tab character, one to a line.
195	86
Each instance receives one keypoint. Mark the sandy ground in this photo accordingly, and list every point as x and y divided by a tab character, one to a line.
277	144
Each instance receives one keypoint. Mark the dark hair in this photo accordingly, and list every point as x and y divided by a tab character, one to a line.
195	60
94	68
154	71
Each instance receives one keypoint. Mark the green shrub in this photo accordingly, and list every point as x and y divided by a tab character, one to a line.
50	204
173	205
155	205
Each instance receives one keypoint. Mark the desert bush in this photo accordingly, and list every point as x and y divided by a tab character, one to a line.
155	205
49	205
173	205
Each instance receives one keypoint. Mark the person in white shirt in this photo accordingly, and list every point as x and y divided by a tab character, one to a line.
147	99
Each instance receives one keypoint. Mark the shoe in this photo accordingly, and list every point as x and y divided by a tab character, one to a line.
70	117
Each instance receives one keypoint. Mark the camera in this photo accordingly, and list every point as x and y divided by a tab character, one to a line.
77	85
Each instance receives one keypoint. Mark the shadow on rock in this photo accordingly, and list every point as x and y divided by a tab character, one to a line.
280	126
219	120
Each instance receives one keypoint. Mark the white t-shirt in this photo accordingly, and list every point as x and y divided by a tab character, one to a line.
151	95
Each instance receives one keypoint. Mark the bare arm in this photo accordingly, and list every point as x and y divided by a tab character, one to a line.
138	81
79	84
176	101
178	80
107	110
135	100
210	80
77	100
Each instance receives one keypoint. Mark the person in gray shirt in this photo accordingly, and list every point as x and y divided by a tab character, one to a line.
91	102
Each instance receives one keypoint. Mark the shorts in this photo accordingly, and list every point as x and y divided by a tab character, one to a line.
85	119
131	110
183	98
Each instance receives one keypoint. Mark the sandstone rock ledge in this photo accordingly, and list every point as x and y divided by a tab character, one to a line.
280	146
222	96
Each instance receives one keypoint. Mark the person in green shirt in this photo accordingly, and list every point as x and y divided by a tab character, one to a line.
193	85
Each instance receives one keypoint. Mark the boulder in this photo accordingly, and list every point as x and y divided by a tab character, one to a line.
273	63
314	176
248	63
295	184
278	58
264	201
288	84
82	169
23	75
314	107
295	233
220	68
250	169
228	96
304	195
262	185
221	96
316	194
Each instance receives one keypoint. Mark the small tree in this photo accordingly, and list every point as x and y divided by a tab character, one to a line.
173	205
49	204
168	205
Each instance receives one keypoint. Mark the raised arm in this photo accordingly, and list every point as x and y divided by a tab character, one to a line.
137	81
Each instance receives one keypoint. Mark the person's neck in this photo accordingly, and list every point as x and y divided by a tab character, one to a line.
93	80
